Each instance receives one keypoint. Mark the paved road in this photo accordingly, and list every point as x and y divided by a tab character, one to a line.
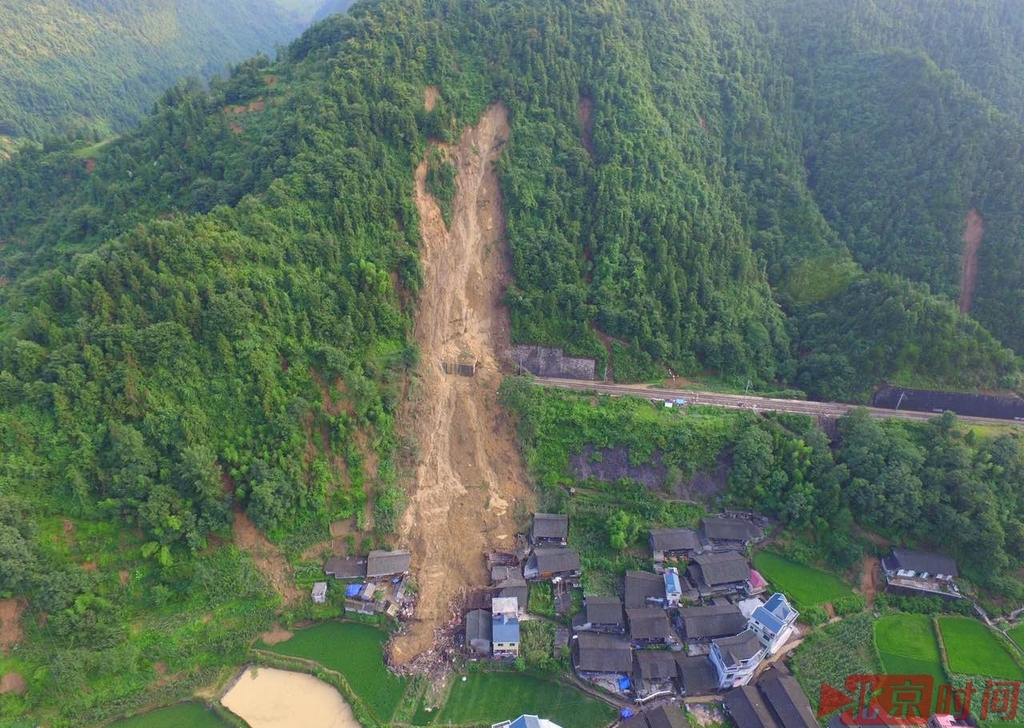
752	402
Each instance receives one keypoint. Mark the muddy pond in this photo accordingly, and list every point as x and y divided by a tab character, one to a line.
269	698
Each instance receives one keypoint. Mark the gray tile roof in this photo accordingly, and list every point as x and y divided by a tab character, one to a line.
697	673
550	525
648	623
731	529
721	620
789	704
387	563
748	709
640	585
722	568
553	561
738	648
352	567
478	626
604	610
654	665
603	653
922	561
674	539
666	716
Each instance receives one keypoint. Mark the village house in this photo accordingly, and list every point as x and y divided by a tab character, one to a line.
319	593
666	715
654	673
697	674
554	564
720	573
649	626
478	632
383	564
549	529
603	614
773	622
508	581
775	701
701	624
350	567
644	589
672	543
674	587
602	656
505	628
722	533
912	572
736	658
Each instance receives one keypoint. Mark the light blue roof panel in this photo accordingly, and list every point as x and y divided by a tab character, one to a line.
768	619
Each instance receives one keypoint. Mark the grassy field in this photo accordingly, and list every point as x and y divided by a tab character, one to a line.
192	715
972	649
1017	634
356	651
907	645
484	698
806	586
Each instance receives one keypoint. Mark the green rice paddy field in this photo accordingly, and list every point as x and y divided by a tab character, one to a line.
192	715
805	585
490	697
907	645
972	649
356	651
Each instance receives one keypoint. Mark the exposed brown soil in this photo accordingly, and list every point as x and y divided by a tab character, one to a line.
10	626
468	472
124	577
586	112
870	582
266	557
12	682
68	528
974	231
276	636
90	566
430	96
160	668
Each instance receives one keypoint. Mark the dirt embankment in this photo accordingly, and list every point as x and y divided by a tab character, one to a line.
10	624
974	231
468	473
266	556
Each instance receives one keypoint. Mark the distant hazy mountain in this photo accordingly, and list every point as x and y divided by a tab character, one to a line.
330	7
74	66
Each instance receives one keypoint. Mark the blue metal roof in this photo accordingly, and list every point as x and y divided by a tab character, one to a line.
768	619
672	583
505	630
778	605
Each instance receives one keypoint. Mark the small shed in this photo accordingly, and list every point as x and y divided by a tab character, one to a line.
319	593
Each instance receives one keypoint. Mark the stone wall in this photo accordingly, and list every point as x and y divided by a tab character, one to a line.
545	361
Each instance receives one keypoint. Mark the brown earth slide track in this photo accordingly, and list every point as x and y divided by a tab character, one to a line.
469	473
974	231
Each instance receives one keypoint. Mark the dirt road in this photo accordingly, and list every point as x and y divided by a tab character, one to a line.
469	473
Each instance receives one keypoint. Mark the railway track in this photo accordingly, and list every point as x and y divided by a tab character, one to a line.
752	402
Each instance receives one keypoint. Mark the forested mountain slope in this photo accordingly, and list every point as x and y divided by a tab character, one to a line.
84	67
208	318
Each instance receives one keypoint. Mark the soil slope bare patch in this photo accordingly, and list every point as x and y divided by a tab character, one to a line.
266	556
468	473
974	231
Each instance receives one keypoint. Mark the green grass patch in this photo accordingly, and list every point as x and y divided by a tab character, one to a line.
182	714
804	585
907	645
972	649
357	652
1017	634
490	697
